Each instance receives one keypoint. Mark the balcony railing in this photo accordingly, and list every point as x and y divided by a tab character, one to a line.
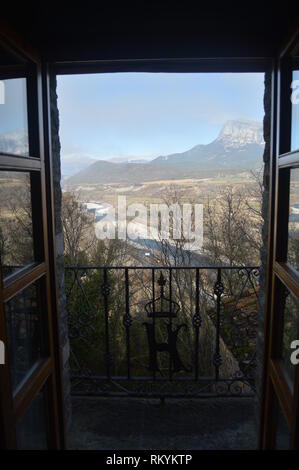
162	331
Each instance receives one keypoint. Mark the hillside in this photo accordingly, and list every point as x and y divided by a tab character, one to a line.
71	164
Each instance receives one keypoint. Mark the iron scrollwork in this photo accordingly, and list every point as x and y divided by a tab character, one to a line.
234	328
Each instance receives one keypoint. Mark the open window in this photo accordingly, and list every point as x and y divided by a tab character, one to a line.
281	416
28	379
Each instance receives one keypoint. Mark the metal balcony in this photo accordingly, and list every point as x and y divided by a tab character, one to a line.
158	332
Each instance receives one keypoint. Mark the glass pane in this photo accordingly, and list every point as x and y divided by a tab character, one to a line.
295	111
16	236
293	239
32	428
13	116
282	431
24	331
290	332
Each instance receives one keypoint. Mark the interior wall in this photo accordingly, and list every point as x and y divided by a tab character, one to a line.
264	249
56	167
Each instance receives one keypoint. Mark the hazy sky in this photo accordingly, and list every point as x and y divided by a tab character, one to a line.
151	114
13	111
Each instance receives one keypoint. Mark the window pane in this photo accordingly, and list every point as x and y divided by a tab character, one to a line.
282	431
24	331
290	332
16	236
295	112
293	239
32	428
13	116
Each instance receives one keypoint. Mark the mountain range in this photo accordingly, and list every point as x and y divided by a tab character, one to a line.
238	147
72	163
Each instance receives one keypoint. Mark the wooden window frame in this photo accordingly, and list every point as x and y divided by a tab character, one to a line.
276	384
48	369
45	165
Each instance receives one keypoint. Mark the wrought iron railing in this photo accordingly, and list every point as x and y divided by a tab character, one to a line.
162	331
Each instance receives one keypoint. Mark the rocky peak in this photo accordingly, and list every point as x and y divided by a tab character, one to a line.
239	133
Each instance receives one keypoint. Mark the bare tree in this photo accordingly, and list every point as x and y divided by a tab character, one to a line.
233	224
293	245
16	234
77	223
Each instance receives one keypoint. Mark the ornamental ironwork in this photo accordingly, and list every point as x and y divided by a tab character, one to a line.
162	331
162	307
